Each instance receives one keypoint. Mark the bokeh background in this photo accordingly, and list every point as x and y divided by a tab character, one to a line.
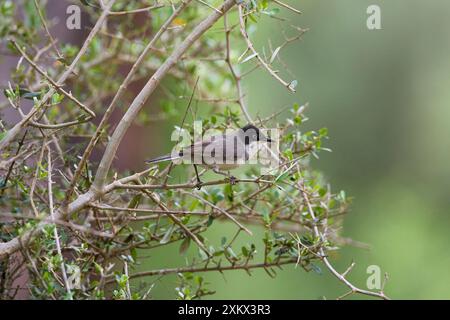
384	95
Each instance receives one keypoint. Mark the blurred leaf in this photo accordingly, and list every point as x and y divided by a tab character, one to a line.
316	268
249	57
271	12
210	221
184	246
203	254
274	54
293	84
167	235
228	191
3	134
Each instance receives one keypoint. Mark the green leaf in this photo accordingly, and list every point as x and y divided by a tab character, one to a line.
24	93
133	253
87	3
323	132
9	93
57	98
194	204
210	221
203	254
272	12
31	17
134	203
184	246
266	216
167	235
3	134
231	253
7	8
316	269
250	57
274	54
228	191
288	153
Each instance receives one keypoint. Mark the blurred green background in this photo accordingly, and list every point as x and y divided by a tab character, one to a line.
384	96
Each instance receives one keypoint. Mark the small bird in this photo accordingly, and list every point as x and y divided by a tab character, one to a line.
219	152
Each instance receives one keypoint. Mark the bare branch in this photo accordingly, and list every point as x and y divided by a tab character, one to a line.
282	4
52	215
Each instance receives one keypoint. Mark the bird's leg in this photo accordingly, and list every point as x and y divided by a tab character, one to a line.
231	178
199	182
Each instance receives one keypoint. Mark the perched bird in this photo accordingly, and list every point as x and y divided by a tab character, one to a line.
219	152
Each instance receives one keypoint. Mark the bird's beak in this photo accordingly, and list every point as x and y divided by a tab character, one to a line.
269	140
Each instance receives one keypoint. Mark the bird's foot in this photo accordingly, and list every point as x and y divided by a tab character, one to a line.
233	180
199	184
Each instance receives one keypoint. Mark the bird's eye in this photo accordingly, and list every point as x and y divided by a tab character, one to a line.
254	136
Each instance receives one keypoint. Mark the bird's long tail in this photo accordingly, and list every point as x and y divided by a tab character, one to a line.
160	159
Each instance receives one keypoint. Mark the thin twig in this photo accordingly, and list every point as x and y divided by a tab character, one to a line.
146	9
44	23
282	4
35	177
237	78
208	269
288	85
52	215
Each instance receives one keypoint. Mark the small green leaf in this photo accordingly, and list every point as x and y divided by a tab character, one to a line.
133	253
167	235
316	268
231	253
323	132
228	191
210	221
272	12
3	134
274	54
203	254
245	251
184	246
87	3
250	57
